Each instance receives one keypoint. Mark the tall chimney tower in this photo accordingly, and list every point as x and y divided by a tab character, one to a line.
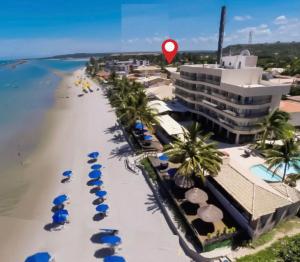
221	34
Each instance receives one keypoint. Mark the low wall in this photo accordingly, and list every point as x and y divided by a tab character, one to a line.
187	250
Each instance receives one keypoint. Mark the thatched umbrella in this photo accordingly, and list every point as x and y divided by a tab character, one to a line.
196	196
184	181
210	213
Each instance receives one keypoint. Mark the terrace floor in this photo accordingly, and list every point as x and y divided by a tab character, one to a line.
199	228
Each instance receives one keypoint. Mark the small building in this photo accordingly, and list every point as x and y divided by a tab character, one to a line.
257	206
292	106
161	91
168	129
103	75
151	80
147	70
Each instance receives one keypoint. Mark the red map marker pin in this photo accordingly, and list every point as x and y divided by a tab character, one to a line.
169	48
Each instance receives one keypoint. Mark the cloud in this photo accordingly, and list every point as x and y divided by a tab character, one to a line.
204	39
280	20
262	29
242	18
130	41
290	29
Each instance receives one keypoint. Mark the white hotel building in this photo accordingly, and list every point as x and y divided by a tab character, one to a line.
229	99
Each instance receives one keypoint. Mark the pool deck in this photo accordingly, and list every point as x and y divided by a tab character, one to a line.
243	164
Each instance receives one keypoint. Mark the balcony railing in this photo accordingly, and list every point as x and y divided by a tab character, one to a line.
228	122
230	97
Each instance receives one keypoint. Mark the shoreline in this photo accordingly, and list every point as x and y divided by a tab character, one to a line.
79	125
22	150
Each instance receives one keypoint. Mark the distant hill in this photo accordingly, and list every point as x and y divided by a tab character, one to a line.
77	55
280	49
114	54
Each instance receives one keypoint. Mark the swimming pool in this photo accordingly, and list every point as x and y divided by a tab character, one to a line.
262	172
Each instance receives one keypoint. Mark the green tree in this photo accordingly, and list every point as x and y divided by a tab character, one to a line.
131	103
112	76
196	155
284	156
275	125
134	106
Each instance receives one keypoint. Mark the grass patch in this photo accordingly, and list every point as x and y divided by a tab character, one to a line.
283	227
150	170
263	239
286	249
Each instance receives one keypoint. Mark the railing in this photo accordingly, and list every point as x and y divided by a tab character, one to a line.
230	97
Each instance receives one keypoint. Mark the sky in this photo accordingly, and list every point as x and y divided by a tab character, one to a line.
30	28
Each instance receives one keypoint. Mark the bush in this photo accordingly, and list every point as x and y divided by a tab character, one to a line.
286	249
148	167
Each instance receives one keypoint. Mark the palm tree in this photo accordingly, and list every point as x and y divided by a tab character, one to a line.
275	126
134	106
131	103
196	155
284	156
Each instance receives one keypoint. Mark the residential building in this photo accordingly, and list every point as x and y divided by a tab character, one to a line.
230	98
125	67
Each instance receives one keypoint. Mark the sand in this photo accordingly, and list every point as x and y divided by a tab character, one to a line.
73	128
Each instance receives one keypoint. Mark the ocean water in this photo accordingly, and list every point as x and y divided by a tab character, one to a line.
26	93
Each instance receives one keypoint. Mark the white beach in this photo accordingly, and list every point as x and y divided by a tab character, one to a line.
75	127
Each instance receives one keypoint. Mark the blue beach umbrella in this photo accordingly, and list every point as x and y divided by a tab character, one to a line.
102	208
96	166
93	154
59	200
39	257
111	240
59	217
67	173
100	193
163	157
96	183
172	172
139	126
148	138
62	212
114	259
95	174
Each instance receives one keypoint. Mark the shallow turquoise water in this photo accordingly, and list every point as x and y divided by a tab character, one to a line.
262	172
27	90
26	93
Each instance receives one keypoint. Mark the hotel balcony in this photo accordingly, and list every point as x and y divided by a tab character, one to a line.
235	113
223	95
225	117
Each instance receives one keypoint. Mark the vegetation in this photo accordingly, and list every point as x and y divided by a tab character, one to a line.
293	68
284	156
148	167
286	249
273	55
93	67
196	155
131	102
274	126
283	227
295	90
268	50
